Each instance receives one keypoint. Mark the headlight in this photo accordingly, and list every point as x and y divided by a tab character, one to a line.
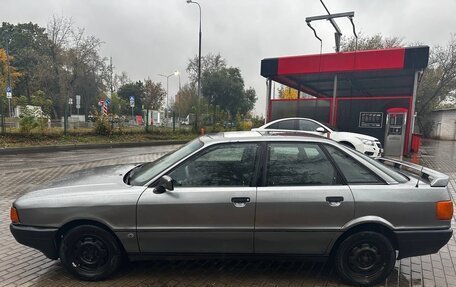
367	142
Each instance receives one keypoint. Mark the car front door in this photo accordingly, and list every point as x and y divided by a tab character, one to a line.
303	203
210	210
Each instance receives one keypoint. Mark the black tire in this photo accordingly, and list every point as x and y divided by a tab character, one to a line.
365	258
90	253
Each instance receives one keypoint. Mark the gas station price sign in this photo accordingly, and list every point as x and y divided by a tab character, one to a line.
371	120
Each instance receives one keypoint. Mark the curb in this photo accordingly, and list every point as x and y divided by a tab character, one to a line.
54	148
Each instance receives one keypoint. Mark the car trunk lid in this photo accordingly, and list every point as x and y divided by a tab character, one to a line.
433	177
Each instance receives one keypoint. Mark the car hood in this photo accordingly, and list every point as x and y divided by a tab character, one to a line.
83	183
104	175
349	134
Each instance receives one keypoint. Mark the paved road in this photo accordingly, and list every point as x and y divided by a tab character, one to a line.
23	266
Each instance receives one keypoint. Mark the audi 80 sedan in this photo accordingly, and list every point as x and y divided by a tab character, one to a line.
242	194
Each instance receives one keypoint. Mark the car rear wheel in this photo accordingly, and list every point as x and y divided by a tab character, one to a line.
90	253
365	258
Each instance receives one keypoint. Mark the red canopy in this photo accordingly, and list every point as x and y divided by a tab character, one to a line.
359	73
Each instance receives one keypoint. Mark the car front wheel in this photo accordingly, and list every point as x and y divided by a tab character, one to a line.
90	253
365	258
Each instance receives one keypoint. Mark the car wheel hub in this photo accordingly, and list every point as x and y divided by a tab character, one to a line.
90	253
364	258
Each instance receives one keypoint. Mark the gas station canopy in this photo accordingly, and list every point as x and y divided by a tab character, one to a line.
387	72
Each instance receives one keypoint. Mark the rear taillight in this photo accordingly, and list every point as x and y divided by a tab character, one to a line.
444	210
14	216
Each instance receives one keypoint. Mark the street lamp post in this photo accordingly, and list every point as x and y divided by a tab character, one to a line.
176	73
199	59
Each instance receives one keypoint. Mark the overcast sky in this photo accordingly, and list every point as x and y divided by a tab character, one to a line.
150	37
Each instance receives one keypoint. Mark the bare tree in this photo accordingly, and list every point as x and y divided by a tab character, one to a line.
370	42
59	30
438	82
209	63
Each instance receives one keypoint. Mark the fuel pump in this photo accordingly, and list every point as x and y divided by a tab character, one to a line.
395	129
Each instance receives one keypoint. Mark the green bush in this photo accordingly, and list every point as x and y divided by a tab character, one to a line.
103	126
27	123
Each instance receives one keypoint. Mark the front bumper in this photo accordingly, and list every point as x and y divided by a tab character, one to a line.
373	151
421	242
43	239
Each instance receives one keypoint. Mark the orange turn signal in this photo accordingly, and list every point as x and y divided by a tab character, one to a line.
14	215
444	210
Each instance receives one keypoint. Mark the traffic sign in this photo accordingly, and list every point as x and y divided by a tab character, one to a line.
132	101
9	92
100	103
78	102
108	101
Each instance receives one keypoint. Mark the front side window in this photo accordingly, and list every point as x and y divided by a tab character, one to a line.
146	172
283	125
294	164
353	171
220	165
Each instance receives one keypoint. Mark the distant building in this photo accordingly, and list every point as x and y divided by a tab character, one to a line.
443	124
35	111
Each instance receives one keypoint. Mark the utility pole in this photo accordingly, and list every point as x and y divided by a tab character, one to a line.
199	60
9	92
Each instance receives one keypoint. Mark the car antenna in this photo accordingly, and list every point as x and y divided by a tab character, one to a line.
421	174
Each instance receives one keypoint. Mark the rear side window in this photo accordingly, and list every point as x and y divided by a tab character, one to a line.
353	171
295	164
305	125
283	125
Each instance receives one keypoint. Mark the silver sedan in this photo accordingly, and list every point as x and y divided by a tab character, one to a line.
242	194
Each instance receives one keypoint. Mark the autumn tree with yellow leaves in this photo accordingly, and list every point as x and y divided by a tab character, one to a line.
287	93
14	74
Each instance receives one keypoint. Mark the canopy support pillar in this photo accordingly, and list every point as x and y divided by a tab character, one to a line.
333	110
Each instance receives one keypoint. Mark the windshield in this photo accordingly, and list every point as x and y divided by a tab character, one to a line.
146	172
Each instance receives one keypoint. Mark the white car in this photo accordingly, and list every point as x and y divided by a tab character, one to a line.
363	143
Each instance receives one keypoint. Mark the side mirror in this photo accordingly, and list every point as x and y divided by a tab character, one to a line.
165	183
320	130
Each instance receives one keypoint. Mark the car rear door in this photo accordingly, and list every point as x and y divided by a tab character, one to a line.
303	203
210	210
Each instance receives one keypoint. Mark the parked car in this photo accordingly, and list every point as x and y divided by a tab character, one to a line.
241	193
368	145
228	124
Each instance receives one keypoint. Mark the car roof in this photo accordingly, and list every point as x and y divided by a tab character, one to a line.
262	136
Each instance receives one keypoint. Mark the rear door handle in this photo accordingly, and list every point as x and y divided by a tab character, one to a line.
334	200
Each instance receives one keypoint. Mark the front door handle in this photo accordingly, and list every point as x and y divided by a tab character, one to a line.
240	201
334	200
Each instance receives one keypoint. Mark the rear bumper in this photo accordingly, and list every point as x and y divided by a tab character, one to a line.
43	239
421	242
